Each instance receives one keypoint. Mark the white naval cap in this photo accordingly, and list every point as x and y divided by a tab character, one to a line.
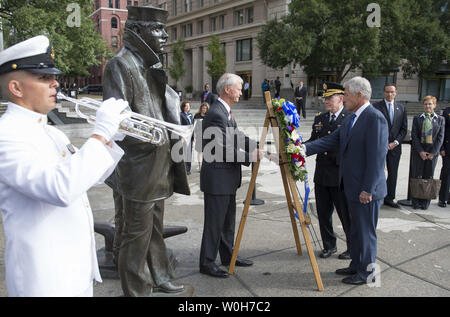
35	55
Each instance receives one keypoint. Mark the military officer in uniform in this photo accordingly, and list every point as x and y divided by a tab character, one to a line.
49	228
326	176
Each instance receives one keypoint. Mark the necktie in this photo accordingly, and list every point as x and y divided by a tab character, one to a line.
333	118
231	115
351	123
391	112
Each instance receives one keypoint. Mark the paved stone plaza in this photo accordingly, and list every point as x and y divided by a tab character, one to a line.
413	246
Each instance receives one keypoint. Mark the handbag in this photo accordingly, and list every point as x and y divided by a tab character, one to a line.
424	188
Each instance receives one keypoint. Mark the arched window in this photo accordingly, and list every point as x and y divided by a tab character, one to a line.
114	23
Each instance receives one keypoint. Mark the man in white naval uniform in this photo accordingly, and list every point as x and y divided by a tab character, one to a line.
50	245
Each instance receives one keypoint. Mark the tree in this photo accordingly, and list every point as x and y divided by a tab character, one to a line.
218	64
427	42
338	38
77	48
177	70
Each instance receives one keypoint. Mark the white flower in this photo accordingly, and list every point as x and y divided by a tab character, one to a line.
290	148
294	135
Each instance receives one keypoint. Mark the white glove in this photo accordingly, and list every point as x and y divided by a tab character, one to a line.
109	116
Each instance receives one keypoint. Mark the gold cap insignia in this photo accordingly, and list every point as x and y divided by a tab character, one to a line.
52	54
318	114
14	66
325	86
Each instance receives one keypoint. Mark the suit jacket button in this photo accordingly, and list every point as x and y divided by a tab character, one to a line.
329	132
326	153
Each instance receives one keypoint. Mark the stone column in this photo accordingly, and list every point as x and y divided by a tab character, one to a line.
196	76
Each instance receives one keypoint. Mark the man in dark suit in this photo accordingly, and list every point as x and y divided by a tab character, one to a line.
225	149
326	176
396	117
445	153
300	98
363	144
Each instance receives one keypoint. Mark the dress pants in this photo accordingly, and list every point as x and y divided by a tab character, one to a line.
445	178
301	107
328	198
218	229
143	261
392	162
363	235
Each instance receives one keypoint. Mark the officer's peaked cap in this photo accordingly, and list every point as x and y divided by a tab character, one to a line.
35	55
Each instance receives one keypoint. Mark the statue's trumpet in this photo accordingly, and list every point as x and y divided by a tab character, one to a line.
138	126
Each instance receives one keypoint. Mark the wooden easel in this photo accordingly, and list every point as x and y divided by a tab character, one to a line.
290	191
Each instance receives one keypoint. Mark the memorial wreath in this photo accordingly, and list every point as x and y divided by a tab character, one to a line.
289	122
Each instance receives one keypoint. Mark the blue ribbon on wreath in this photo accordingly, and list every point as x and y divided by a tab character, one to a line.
291	113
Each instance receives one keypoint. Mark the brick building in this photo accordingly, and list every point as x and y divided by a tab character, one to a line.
110	16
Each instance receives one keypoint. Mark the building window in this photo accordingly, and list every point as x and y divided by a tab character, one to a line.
437	87
113	23
239	17
244	50
186	30
221	22
118	4
129	3
136	3
212	24
378	83
174	7
114	42
249	15
200	27
110	3
187	5
200	3
174	34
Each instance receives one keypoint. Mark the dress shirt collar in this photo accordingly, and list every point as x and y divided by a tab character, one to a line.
26	114
360	110
387	102
225	105
337	113
433	115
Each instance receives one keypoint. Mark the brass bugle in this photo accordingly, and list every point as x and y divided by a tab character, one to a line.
138	126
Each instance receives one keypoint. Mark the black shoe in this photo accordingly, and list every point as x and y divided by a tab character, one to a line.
392	204
448	202
442	204
345	271
188	173
423	207
240	262
327	253
168	287
213	271
354	280
345	256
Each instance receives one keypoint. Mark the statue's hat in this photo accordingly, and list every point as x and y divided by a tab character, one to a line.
147	14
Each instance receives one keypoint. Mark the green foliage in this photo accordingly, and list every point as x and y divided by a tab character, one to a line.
218	64
319	36
76	48
177	70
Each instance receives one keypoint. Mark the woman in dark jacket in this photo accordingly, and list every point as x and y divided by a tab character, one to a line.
427	135
186	119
